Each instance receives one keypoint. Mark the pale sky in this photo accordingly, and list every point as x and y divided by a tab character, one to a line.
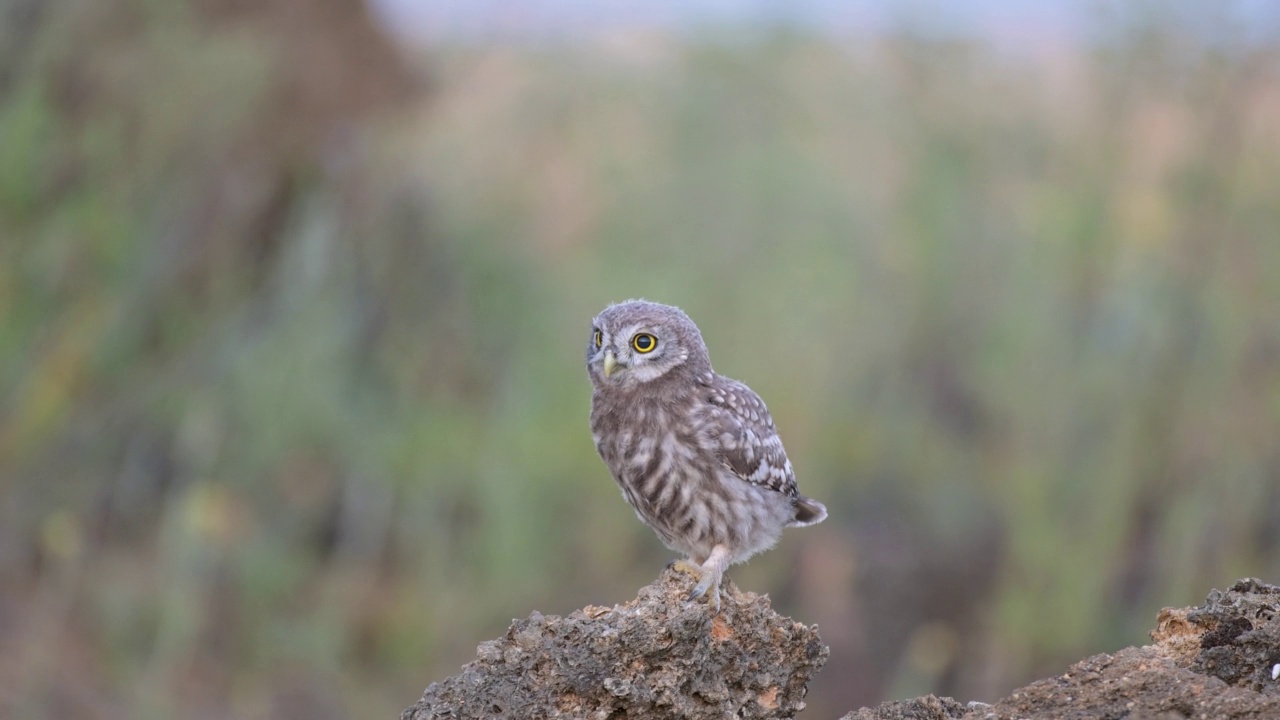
1009	21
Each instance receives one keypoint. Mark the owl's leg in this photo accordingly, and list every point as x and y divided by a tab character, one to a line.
711	572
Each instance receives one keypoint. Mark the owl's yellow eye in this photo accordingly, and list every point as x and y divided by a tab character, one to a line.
599	339
644	342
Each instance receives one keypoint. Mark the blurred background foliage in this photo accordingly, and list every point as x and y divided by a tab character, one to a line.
292	412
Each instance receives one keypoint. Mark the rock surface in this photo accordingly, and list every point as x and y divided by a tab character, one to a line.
662	656
1213	661
659	655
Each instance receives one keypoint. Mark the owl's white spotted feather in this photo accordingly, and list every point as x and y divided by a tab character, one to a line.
696	454
748	442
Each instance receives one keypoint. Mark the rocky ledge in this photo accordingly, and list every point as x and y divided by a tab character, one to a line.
663	656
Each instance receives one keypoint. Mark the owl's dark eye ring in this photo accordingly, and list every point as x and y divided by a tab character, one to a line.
598	338
644	342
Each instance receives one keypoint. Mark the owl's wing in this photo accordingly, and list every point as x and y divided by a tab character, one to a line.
748	444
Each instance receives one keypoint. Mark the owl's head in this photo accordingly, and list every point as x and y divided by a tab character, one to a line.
637	342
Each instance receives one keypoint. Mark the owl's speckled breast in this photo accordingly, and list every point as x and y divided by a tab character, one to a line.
667	465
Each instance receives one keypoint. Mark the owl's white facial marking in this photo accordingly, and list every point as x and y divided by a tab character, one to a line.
635	343
634	353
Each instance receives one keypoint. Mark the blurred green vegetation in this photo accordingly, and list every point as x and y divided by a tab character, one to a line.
292	412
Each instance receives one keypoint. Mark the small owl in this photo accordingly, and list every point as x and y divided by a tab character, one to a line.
696	453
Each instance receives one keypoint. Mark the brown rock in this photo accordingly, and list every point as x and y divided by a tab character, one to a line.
922	708
1214	661
659	655
662	656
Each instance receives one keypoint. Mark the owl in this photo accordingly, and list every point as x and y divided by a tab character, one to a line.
695	453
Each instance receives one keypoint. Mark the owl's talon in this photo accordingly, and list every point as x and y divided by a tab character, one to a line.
695	571
707	579
701	588
709	575
708	582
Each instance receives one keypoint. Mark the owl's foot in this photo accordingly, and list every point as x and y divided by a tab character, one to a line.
686	567
709	575
709	581
705	581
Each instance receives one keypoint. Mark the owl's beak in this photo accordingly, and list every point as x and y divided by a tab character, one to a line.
610	363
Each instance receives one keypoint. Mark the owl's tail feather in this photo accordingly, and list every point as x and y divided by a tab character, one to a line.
808	512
